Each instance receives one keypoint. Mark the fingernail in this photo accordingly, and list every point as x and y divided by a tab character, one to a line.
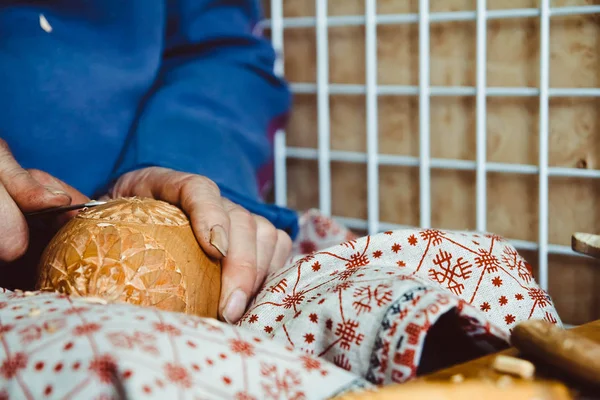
236	306
218	238
57	192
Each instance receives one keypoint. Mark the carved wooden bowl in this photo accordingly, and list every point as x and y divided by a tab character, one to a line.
133	250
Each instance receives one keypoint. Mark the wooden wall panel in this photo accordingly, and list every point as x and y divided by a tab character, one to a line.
512	126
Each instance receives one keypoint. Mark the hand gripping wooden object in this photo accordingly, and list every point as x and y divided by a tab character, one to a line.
133	250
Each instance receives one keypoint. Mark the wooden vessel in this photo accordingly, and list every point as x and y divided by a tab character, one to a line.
133	250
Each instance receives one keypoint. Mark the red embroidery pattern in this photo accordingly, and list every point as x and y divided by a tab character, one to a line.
345	303
344	311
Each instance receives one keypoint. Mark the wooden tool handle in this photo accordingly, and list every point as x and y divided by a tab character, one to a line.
572	354
586	243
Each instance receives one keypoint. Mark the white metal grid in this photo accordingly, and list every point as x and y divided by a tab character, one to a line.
373	158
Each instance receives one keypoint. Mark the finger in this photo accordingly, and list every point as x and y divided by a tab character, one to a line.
282	252
26	192
14	231
76	196
239	267
48	180
199	197
266	240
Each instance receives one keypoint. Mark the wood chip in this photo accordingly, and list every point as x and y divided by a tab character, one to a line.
45	24
514	366
94	300
35	312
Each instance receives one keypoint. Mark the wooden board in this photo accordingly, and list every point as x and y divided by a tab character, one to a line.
481	368
512	127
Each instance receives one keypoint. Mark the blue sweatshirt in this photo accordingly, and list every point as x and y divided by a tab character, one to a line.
110	86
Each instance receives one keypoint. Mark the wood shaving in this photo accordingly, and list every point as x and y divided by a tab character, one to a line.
94	300
35	312
45	24
514	366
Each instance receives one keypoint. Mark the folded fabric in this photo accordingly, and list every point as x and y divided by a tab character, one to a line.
343	314
56	347
368	304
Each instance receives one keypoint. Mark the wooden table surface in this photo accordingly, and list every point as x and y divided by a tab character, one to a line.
481	367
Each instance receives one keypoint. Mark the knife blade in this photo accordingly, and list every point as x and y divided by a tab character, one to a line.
58	210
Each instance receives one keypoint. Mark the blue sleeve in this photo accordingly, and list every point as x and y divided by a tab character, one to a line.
214	103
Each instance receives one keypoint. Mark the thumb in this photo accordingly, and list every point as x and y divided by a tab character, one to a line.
25	191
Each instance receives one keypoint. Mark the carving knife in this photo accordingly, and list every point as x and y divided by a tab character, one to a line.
58	210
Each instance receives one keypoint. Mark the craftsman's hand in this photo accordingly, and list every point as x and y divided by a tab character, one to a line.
25	191
248	245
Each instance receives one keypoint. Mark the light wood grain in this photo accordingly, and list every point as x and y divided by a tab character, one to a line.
567	351
466	390
133	250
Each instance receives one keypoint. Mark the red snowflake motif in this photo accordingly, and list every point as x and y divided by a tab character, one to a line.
396	248
244	396
30	334
401	264
167	328
279	288
509	319
357	260
432	235
12	364
142	340
242	347
313	318
279	318
519	296
329	324
485	307
540	297
503	300
316	266
388	232
341	361
309	338
3	304
412	240
347	273
450	271
293	300
377	254
5	328
368	296
550	318
75	310
178	375
497	281
310	363
104	367
278	385
268	329
253	318
86	329
487	261
348	334
308	247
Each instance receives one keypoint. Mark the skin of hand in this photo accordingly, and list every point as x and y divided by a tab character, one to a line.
248	245
23	191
